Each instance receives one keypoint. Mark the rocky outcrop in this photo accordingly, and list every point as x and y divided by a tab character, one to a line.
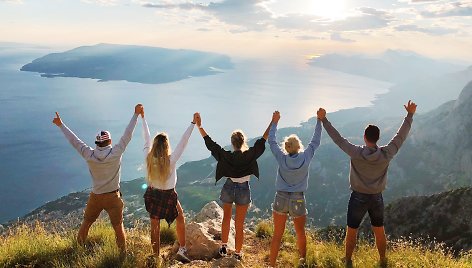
443	218
203	233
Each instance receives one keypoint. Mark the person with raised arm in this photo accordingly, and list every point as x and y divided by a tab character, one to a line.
291	184
104	163
237	166
160	198
368	178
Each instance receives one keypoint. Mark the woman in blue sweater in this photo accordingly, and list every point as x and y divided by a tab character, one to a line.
291	184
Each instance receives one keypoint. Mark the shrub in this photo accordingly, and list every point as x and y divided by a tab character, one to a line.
168	234
264	229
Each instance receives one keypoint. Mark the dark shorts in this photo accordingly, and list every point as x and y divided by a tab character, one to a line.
161	204
360	204
238	193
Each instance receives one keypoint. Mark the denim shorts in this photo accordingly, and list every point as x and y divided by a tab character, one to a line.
360	204
238	193
292	204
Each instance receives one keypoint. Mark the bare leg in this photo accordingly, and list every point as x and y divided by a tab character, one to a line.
180	225
225	225
83	232
351	240
155	236
299	223
241	211
279	228
380	241
120	237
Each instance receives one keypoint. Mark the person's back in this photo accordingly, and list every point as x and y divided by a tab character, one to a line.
368	178
292	173
104	163
369	163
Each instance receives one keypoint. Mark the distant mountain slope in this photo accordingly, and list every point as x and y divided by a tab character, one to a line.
149	65
446	217
429	93
393	65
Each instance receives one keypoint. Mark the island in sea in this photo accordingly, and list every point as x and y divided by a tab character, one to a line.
141	64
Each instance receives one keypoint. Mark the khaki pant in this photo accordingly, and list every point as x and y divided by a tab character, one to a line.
110	202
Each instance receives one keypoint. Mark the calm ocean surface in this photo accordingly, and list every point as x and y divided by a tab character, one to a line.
37	164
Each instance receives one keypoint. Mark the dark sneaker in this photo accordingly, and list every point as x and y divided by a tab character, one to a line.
182	255
223	251
238	256
302	263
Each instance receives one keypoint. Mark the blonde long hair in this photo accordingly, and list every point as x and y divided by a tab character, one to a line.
292	144
158	159
238	140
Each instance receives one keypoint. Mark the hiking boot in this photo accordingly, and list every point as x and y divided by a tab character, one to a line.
223	251
182	255
238	256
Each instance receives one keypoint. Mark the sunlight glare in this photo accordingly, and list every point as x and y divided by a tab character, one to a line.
330	9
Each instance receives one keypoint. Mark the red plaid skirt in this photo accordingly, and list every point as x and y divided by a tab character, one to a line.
161	204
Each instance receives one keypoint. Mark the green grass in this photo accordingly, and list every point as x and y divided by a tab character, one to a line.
401	254
25	246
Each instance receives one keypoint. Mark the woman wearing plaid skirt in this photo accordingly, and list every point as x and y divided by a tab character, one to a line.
160	198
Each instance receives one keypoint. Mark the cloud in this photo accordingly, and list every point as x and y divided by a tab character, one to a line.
430	30
308	37
252	15
370	18
423	1
204	30
459	8
101	2
12	1
339	38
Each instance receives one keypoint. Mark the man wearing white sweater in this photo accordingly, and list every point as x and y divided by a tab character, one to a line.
104	162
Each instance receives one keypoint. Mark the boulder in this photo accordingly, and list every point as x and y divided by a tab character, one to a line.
228	262
211	211
203	233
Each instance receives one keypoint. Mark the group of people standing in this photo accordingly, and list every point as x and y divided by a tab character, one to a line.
368	177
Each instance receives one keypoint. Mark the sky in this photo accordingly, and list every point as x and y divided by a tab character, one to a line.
277	29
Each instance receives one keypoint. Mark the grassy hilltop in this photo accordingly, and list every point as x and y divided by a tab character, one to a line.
33	246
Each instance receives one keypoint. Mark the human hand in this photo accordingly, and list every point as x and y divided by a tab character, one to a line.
321	114
275	117
410	107
142	111
138	109
57	120
197	119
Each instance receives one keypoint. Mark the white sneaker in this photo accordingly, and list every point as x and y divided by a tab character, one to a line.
182	255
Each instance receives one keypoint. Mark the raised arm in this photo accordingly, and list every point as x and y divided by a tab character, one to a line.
212	146
349	148
315	140
120	147
84	150
147	136
179	149
274	147
394	145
